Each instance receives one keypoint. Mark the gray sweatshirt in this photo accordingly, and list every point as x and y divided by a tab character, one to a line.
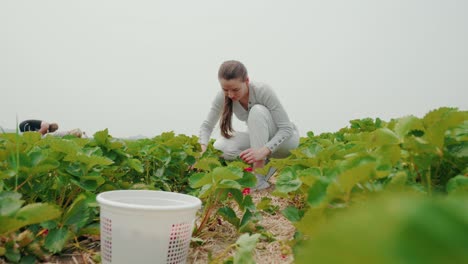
259	93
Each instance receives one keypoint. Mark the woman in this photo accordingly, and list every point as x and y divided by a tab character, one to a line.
270	132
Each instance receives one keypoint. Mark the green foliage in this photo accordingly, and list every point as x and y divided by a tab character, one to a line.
394	228
335	172
48	187
218	187
293	214
458	185
56	239
245	245
13	216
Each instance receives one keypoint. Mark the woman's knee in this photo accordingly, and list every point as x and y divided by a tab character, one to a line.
259	112
230	151
261	121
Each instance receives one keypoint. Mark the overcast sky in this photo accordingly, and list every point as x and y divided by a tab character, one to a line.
146	67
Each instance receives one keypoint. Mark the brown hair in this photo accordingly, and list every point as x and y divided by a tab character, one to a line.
230	70
53	127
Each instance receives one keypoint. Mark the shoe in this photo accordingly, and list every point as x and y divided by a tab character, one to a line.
261	183
270	173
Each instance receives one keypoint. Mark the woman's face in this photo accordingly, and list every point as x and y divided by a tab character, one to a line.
236	89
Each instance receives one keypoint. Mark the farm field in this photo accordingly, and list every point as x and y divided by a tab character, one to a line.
377	191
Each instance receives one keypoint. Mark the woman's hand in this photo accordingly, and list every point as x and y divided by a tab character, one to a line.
252	155
203	149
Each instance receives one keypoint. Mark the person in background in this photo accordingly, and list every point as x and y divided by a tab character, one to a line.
38	125
270	131
74	132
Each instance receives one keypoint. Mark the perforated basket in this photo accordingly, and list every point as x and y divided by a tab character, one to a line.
139	226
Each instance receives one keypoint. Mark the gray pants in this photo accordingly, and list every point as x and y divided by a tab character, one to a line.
261	128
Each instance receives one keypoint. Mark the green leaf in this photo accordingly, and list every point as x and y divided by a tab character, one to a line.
399	179
45	166
207	164
247	203
438	121
407	124
36	157
238	196
91	161
206	190
65	146
358	169
459	150
227	173
229	215
29	214
246	221
194	178
227	184
92	229
190	160
318	192
309	176
10	202
458	185
383	136
91	183
49	224
248	180
38	212
56	239
31	138
292	213
264	203
246	244
12	253
136	165
6	174
77	213
312	221
198	180
9	206
288	181
29	259
312	150
389	154
102	137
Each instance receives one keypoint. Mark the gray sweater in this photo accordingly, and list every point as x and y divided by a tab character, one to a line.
259	93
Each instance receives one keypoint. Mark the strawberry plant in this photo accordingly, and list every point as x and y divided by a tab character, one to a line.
333	172
217	186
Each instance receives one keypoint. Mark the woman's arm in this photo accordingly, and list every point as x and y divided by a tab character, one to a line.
268	98
212	118
44	128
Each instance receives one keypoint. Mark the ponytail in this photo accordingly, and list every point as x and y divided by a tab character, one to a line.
226	118
230	70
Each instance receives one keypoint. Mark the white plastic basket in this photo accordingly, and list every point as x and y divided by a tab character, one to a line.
140	226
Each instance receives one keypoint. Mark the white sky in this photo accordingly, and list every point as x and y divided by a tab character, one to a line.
145	67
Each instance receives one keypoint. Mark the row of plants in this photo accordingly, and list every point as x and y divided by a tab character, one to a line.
381	192
48	188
